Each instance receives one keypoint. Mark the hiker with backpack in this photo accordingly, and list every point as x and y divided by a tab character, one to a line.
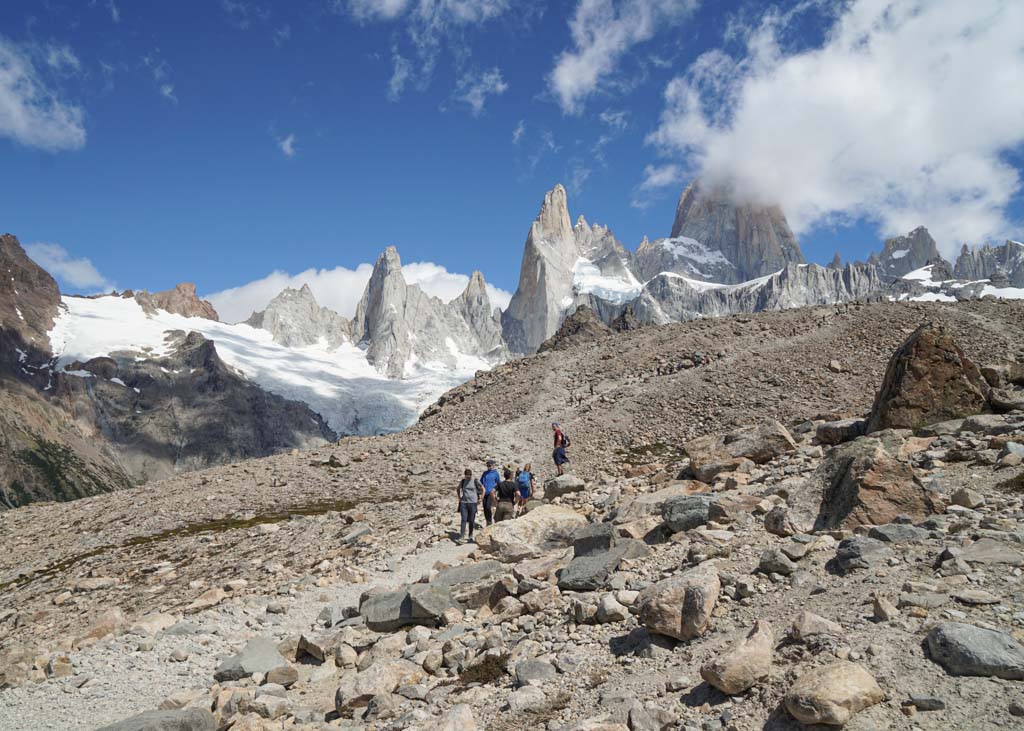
507	491
489	479
524	481
469	493
561	444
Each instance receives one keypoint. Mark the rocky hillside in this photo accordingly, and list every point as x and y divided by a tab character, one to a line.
77	428
737	547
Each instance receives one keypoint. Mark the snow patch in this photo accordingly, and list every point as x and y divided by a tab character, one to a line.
587	278
683	247
899	254
340	385
933	297
1007	293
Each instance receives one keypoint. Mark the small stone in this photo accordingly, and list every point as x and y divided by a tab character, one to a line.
747	663
833	694
967	498
808	624
927	703
774	561
883	609
179	655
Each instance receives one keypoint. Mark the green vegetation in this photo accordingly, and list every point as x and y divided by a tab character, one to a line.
490	670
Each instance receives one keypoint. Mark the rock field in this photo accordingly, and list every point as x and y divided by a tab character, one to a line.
747	539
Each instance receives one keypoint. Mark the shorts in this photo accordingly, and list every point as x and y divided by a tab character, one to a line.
559	456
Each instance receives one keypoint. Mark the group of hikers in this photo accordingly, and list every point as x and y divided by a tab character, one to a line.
504	494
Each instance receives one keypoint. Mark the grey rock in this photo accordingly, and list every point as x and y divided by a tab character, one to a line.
837	432
260	655
898	533
594	538
534	671
964	649
685	513
563	485
860	552
774	561
186	719
416	604
988	551
591	572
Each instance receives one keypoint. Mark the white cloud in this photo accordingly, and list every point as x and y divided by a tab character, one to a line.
661	176
78	273
578	176
340	288
603	32
617	120
167	92
474	88
62	59
399	77
287	145
902	117
115	14
429	24
518	132
32	113
282	35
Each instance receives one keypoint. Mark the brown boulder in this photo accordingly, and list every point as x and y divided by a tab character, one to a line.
860	483
715	453
929	379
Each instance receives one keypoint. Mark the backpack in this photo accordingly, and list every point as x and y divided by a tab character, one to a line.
523	479
566	441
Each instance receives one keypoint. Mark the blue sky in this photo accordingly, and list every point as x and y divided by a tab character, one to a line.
220	141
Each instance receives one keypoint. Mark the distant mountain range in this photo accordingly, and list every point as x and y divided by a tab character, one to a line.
103	392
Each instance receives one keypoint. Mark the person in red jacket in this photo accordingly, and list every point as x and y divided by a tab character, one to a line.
561	442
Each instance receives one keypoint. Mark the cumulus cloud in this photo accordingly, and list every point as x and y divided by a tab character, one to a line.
661	176
340	288
603	32
78	273
32	112
287	145
474	88
902	117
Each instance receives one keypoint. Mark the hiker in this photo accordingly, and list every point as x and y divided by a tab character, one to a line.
469	492
561	442
489	480
524	481
507	491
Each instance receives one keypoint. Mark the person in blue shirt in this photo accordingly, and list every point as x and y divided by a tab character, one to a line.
489	480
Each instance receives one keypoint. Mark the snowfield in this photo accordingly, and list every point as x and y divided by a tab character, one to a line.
588	279
338	384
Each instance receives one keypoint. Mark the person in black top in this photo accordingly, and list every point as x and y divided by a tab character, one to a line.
507	490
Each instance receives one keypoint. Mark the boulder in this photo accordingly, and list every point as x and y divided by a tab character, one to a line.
186	719
989	551
651	503
779	522
685	513
590	572
533	671
715	453
862	483
610	610
860	552
680	606
594	538
929	379
898	533
963	649
832	695
542	529
774	561
383	677
475	584
837	432
809	624
747	663
563	485
415	604
260	655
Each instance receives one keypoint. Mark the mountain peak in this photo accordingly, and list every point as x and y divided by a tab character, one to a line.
552	222
755	239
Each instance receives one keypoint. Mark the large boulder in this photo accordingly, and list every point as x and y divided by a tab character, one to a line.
260	655
859	483
929	379
963	649
652	503
680	606
832	695
747	663
715	453
186	719
591	571
415	604
475	584
542	529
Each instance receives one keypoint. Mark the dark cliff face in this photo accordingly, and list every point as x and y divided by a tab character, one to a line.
29	296
756	240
